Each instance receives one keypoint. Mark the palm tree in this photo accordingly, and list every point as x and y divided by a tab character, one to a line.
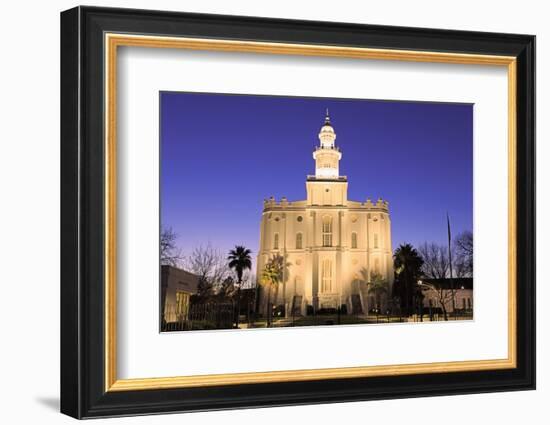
239	260
408	269
272	275
377	286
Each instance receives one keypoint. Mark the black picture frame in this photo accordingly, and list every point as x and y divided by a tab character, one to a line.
83	392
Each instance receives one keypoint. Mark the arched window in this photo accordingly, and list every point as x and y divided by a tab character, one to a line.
327	230
376	240
353	240
326	276
299	240
276	241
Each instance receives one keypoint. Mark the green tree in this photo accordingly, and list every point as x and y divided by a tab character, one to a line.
377	286
272	275
239	260
227	289
408	270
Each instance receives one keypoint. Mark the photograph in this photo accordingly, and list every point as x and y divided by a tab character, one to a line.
281	211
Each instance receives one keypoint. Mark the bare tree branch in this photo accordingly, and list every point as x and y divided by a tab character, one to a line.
170	254
442	295
209	265
436	264
464	253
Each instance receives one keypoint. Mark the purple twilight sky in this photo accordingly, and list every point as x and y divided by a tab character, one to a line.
221	155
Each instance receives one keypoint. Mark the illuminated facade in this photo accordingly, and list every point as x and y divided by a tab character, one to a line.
328	242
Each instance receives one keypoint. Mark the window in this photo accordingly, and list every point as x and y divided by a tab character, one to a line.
463	303
327	231
326	276
276	241
353	240
469	303
376	240
377	266
298	240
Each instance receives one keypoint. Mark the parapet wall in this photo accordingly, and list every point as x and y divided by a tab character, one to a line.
379	205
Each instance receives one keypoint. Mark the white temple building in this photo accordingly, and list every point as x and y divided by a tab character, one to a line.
328	241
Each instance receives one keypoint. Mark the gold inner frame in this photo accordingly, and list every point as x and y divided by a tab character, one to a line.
113	41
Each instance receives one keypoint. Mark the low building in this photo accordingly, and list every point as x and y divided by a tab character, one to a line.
442	291
177	286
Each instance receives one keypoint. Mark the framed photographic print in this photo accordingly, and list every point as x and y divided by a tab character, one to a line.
261	212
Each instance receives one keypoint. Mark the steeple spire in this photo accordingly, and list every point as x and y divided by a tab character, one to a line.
327	186
327	136
327	156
